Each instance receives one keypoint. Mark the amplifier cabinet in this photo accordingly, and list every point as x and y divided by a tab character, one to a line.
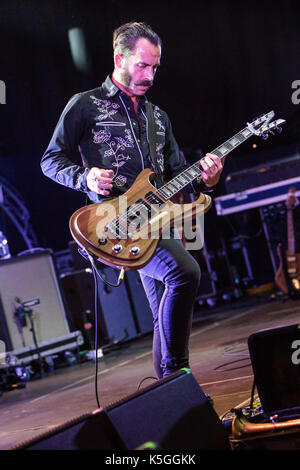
115	306
116	320
79	292
31	277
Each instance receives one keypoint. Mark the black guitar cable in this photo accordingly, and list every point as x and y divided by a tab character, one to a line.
96	335
89	257
95	274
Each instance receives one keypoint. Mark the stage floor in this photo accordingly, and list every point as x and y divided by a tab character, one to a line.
219	361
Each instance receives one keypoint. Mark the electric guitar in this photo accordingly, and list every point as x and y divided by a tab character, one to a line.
292	258
124	232
287	278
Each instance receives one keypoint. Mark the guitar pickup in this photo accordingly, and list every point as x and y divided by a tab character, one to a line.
152	198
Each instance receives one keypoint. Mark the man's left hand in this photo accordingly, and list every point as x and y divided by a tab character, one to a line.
212	168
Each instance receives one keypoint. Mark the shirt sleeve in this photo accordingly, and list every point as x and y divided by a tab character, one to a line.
176	163
56	162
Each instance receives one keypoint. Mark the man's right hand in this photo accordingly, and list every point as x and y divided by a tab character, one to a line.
100	181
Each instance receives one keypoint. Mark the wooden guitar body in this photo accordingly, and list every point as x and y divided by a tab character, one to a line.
125	231
293	269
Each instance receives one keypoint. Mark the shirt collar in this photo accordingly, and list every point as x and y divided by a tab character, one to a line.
111	89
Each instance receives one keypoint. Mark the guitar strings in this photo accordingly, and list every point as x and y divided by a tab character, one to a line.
124	217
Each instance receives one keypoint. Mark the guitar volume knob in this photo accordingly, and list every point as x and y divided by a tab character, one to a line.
102	240
135	250
117	248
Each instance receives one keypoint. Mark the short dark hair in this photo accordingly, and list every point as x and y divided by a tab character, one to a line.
125	37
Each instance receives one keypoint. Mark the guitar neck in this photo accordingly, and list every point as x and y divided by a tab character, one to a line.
290	227
186	177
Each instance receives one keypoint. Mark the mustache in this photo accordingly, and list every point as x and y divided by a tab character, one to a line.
145	83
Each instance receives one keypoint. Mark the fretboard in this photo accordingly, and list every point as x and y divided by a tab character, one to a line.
194	171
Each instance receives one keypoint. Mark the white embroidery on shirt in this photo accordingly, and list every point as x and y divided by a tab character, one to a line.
116	146
106	108
158	121
160	156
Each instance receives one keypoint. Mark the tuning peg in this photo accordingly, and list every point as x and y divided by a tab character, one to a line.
265	136
261	132
278	129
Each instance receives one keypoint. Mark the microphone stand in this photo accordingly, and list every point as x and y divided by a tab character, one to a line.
24	310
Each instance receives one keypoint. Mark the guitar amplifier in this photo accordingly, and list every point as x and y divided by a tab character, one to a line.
115	316
115	306
79	292
32	278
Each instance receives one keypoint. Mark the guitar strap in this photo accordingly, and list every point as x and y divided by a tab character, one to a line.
152	141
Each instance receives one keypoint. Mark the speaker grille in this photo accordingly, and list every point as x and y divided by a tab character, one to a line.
32	277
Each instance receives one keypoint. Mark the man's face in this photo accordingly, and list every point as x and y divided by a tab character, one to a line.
137	71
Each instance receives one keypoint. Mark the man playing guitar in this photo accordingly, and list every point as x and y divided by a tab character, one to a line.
109	126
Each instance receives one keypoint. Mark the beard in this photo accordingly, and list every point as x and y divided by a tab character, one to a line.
127	81
125	78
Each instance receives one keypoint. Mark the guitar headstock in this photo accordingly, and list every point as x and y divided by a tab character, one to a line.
262	126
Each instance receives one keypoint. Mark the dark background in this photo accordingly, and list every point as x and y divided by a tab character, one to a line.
223	64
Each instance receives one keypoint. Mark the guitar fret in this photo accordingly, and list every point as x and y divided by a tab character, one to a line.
177	184
172	185
218	153
192	173
234	142
246	133
181	179
223	150
240	137
186	177
165	192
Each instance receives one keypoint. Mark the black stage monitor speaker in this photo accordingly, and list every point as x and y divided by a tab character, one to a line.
31	277
174	413
275	358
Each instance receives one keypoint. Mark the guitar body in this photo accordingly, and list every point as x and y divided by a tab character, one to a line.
293	269
119	233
